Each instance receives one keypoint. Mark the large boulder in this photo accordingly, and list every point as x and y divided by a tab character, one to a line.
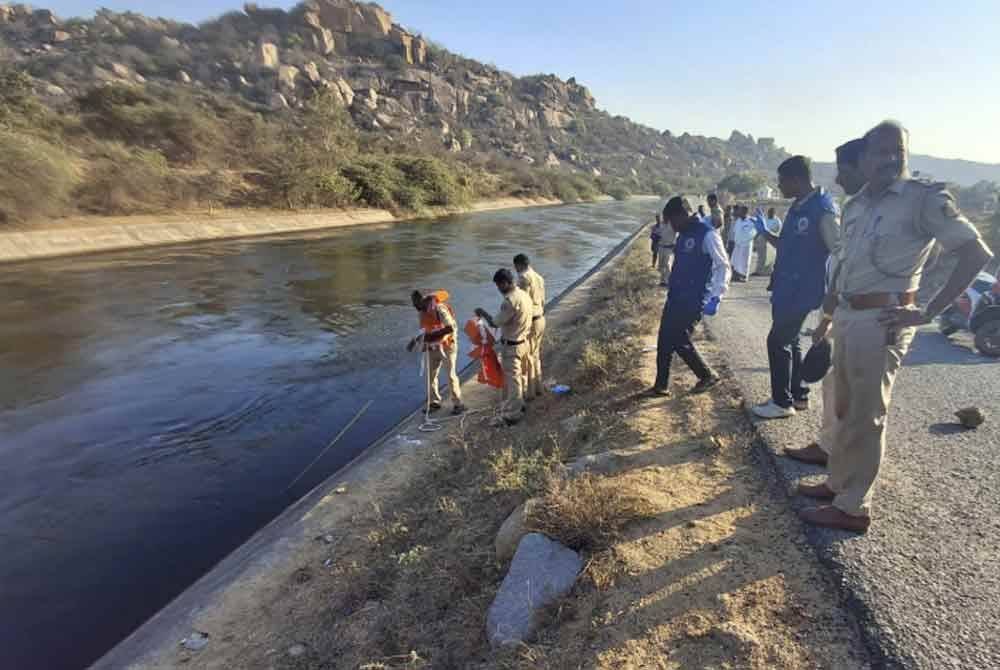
377	21
287	76
405	43
323	41
542	572
346	92
266	56
419	51
312	72
554	118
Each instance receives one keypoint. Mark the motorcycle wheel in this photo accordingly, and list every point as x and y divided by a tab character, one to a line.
988	338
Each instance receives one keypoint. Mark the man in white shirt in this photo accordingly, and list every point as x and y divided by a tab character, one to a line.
744	233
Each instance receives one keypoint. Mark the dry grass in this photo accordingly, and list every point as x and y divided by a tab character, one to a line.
688	564
587	513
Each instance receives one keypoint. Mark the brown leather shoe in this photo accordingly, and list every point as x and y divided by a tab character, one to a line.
811	454
818	491
829	516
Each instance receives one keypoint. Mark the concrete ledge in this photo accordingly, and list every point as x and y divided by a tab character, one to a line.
90	235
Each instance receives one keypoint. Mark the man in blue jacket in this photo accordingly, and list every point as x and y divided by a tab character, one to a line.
810	234
698	281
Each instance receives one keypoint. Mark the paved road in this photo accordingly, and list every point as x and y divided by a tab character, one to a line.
926	579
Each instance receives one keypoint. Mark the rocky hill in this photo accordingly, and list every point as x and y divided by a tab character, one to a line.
397	87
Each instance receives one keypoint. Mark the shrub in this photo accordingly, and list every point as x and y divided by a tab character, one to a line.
130	181
36	177
376	181
434	179
619	192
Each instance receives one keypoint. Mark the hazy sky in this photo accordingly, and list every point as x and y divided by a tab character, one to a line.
810	74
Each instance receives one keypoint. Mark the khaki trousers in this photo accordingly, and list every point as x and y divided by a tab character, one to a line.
665	261
533	371
438	356
865	366
828	433
515	360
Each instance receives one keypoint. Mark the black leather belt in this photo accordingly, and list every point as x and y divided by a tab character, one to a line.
510	343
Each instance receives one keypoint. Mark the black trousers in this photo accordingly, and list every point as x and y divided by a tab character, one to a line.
676	327
784	355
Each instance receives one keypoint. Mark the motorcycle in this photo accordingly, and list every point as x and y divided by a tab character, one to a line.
978	311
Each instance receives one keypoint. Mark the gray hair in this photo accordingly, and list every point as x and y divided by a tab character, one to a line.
889	125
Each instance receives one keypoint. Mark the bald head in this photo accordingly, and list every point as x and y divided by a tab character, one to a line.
886	155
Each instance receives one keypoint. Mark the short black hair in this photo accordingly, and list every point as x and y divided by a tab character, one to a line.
796	166
503	275
521	260
417	296
713	196
676	205
770	211
849	153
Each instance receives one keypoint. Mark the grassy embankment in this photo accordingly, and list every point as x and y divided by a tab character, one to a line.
691	562
121	150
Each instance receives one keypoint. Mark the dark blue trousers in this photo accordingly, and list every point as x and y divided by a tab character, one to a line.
784	355
676	327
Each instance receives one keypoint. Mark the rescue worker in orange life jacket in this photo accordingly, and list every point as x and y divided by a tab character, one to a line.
437	321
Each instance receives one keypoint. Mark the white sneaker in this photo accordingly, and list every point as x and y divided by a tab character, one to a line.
771	411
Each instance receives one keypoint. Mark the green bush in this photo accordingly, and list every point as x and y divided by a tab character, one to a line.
376	181
36	177
434	179
619	192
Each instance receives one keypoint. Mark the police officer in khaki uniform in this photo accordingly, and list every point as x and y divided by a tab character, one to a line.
850	178
534	285
889	230
514	322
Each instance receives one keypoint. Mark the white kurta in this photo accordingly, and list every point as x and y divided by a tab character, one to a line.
744	233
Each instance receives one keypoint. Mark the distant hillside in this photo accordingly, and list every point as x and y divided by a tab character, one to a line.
954	171
187	96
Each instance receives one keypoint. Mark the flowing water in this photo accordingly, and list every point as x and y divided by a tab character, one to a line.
156	404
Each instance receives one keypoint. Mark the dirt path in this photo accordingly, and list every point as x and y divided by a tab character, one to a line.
693	561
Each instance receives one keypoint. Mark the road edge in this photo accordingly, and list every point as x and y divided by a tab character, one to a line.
781	475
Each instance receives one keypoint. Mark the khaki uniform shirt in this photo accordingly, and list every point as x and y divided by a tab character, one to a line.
514	318
534	284
888	238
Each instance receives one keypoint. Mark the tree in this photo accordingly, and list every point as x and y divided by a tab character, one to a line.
742	183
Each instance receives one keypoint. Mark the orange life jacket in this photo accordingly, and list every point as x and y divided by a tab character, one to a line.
482	340
429	321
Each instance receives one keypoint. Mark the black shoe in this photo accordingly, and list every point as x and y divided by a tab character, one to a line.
655	393
433	407
705	384
458	409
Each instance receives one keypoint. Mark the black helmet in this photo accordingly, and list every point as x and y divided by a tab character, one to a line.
817	362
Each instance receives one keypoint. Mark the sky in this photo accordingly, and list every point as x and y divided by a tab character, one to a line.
811	74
